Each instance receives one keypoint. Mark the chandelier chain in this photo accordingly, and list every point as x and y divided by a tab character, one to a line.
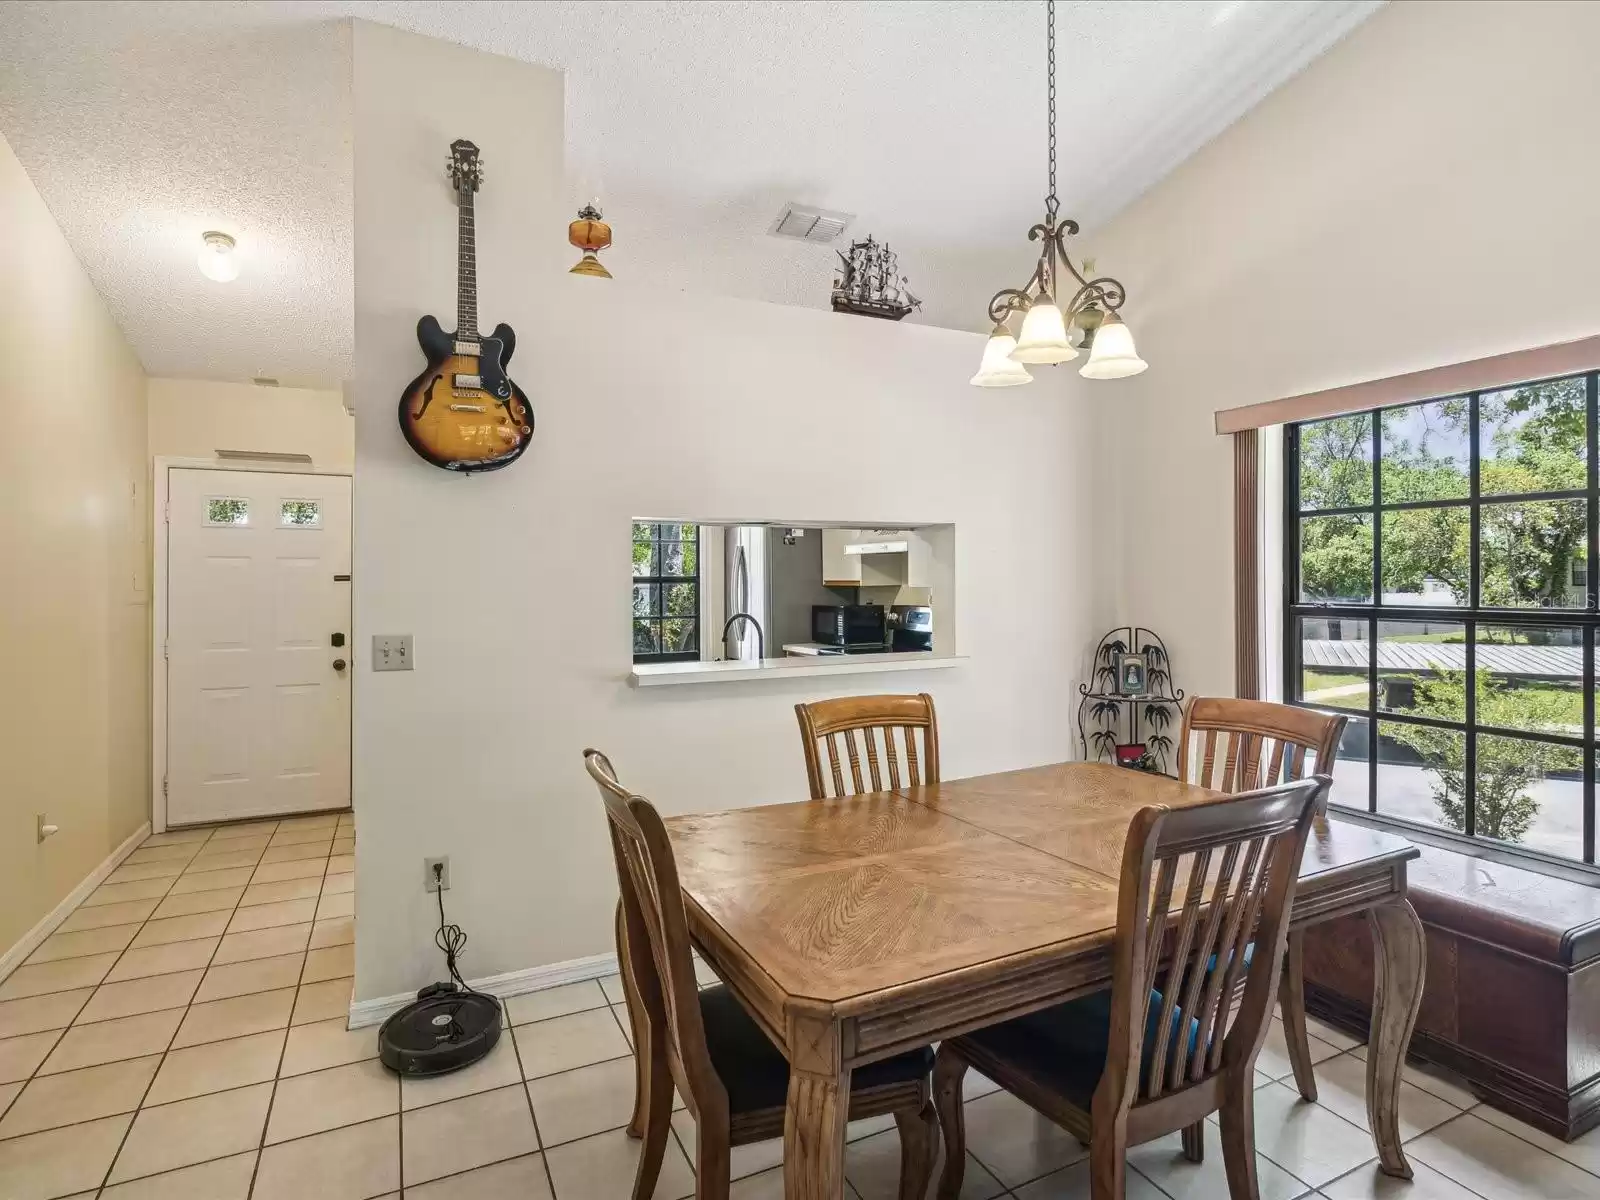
1051	204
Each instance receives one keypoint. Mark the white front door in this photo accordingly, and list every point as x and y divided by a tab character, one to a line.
258	711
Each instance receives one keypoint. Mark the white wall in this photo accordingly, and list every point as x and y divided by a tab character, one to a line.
516	586
1423	194
194	418
74	599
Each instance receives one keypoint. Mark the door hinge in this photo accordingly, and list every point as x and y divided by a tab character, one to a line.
166	513
165	651
163	785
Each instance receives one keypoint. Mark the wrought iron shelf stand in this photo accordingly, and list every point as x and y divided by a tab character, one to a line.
1108	718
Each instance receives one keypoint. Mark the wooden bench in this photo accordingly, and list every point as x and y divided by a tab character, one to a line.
1512	998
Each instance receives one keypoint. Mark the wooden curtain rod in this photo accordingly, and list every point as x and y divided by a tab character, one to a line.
1518	366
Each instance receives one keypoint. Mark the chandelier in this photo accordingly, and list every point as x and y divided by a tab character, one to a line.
1092	308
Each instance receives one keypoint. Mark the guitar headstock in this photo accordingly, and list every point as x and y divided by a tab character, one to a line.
465	168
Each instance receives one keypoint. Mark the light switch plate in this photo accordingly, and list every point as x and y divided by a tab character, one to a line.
391	652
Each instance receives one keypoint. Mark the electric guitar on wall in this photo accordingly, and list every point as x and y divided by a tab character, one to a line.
463	413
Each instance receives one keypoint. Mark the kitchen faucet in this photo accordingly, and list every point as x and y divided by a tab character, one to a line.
761	637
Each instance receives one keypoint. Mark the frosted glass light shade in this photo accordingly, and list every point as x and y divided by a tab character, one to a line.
1113	355
1044	335
217	260
998	368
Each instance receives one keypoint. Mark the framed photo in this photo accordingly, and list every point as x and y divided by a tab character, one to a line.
1132	675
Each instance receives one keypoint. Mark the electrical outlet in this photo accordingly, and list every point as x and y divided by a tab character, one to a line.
391	652
428	881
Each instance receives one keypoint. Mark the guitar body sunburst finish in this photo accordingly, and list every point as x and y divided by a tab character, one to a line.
466	428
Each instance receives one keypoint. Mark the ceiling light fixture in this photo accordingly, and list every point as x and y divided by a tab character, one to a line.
1091	309
216	257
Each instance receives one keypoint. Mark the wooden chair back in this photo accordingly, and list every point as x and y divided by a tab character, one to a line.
1246	744
658	937
1234	860
874	720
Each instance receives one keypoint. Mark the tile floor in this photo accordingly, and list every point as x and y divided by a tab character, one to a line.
182	1037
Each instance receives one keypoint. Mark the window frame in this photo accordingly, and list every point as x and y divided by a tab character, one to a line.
1470	615
662	582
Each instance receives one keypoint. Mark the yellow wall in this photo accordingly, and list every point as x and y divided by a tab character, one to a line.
194	418
74	584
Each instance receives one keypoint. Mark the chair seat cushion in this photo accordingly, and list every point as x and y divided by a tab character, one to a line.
754	1071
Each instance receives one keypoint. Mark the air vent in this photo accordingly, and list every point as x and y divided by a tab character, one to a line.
264	381
805	224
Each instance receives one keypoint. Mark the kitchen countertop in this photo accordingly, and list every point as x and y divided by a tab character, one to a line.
789	667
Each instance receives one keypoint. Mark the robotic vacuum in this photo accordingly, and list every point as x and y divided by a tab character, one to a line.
439	1033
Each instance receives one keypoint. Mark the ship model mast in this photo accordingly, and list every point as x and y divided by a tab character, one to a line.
871	284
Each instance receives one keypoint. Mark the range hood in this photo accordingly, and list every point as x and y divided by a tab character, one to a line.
896	543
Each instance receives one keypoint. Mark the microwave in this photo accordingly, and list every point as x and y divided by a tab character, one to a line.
848	624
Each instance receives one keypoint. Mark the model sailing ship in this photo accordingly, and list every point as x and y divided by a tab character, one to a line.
872	285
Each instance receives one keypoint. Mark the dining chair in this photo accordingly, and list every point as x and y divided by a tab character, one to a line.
1234	755
731	1074
871	720
1156	1052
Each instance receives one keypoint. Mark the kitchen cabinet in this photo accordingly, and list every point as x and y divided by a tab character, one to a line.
838	568
876	558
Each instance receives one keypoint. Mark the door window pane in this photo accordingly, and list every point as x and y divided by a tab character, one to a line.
1530	678
1333	662
1530	794
1533	438
1427	452
1336	463
1336	559
227	510
1427	556
1421	774
300	514
1422	668
1526	551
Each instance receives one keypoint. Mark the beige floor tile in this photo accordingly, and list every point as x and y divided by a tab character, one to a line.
352	1163
316	852
562	1043
175	852
749	1159
338	883
323	1001
60	1162
217	1066
67	975
611	985
1162	1162
1498	1165
263	943
1337	1038
170	1136
602	1168
50	1101
8	1093
337	931
1342	1089
181	929
187	903
1307	1140
35	1014
211	881
339	863
224	1179
499	1069
244	829
470	1132
238	843
124	912
117	893
322	1100
275	872
113	1041
163	960
142	871
252	975
237	1016
1433	1080
177	837
1273	1061
20	1056
285	889
332	962
338	905
303	837
326	1044
87	942
518	1179
112	1000
1582	1151
1369	1183
554	1002
224	859
1073	1184
314	821
575	1104
343	847
1015	1143
872	1165
270	916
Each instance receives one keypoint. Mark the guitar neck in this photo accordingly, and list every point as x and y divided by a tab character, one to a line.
466	274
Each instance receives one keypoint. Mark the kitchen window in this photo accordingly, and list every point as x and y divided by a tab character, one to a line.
1437	590
666	592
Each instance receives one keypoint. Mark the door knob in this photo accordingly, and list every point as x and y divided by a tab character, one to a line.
339	664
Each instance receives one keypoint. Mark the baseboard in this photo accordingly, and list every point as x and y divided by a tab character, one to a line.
512	983
14	957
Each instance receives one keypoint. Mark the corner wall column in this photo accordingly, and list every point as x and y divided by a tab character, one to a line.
1246	565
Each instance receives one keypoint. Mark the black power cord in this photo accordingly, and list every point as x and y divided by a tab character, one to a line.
451	939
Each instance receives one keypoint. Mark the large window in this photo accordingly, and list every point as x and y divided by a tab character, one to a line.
666	592
1436	589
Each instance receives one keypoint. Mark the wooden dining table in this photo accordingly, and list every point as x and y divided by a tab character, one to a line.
856	928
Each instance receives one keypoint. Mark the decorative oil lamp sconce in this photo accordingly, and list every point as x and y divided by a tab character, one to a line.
590	234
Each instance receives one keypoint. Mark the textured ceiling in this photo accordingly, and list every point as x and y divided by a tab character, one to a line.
145	124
